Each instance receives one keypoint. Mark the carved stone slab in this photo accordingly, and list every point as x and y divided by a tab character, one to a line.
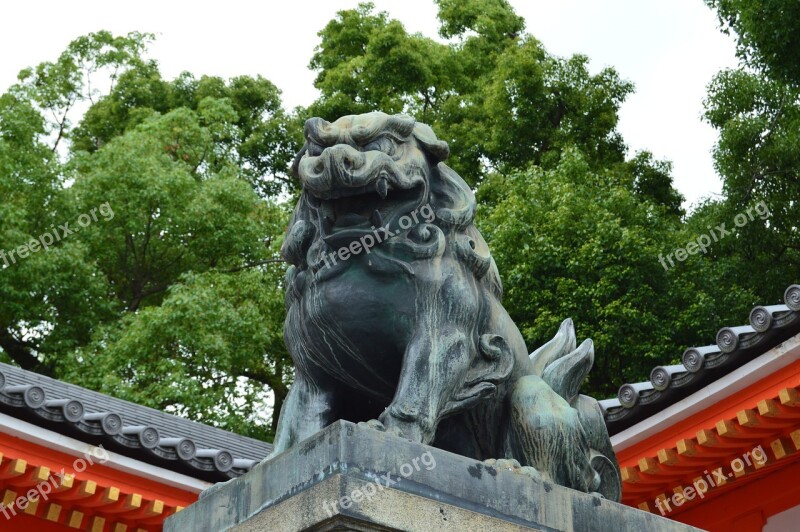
349	477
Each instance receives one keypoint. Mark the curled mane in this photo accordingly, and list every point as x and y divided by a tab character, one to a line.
455	206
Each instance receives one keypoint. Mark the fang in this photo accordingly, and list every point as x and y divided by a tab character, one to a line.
382	188
376	219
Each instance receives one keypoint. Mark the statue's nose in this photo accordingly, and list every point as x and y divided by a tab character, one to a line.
341	161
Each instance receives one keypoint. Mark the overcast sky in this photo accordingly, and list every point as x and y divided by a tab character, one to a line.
670	50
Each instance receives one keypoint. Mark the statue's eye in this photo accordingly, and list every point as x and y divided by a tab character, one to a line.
385	144
314	149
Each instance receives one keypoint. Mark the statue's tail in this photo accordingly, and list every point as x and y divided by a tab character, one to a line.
561	345
564	367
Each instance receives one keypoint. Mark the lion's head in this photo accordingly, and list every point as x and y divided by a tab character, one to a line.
371	171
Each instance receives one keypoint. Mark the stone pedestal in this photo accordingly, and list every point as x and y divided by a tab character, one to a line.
351	478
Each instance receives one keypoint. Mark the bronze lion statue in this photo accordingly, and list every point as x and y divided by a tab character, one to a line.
394	316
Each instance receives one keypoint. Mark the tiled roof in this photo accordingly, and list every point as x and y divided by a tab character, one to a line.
154	437
769	326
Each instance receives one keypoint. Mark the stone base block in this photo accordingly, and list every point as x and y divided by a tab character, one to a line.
348	477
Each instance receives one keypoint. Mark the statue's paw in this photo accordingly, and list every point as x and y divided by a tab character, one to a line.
373	424
396	431
514	466
378	425
503	463
531	472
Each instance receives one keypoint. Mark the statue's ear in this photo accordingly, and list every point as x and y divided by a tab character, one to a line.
319	130
296	162
438	150
451	197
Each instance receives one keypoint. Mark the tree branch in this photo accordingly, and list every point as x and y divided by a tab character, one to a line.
253	265
22	353
62	126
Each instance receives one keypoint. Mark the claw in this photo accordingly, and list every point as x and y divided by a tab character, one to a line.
514	466
531	472
503	463
508	463
373	424
395	431
377	218
382	187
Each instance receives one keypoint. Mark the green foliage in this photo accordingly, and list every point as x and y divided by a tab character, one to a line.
767	34
200	353
570	241
756	109
488	18
190	247
56	87
494	94
653	182
169	217
39	291
175	301
537	104
366	62
248	127
170	295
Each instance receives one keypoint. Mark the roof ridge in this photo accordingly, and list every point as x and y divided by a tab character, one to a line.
769	325
161	438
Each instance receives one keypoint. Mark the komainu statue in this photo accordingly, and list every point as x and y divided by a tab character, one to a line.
394	315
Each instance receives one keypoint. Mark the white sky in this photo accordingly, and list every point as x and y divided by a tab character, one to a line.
669	49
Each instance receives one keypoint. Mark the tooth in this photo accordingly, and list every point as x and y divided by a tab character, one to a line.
381	187
376	219
326	209
327	222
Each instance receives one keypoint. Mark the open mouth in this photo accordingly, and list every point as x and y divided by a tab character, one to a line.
349	213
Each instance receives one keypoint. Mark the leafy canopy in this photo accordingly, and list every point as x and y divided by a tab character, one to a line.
176	300
173	298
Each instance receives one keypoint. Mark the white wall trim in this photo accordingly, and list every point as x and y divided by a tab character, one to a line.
773	360
58	442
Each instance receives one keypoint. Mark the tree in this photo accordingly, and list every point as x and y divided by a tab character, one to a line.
572	241
767	34
717	286
493	93
756	109
36	289
172	295
166	290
